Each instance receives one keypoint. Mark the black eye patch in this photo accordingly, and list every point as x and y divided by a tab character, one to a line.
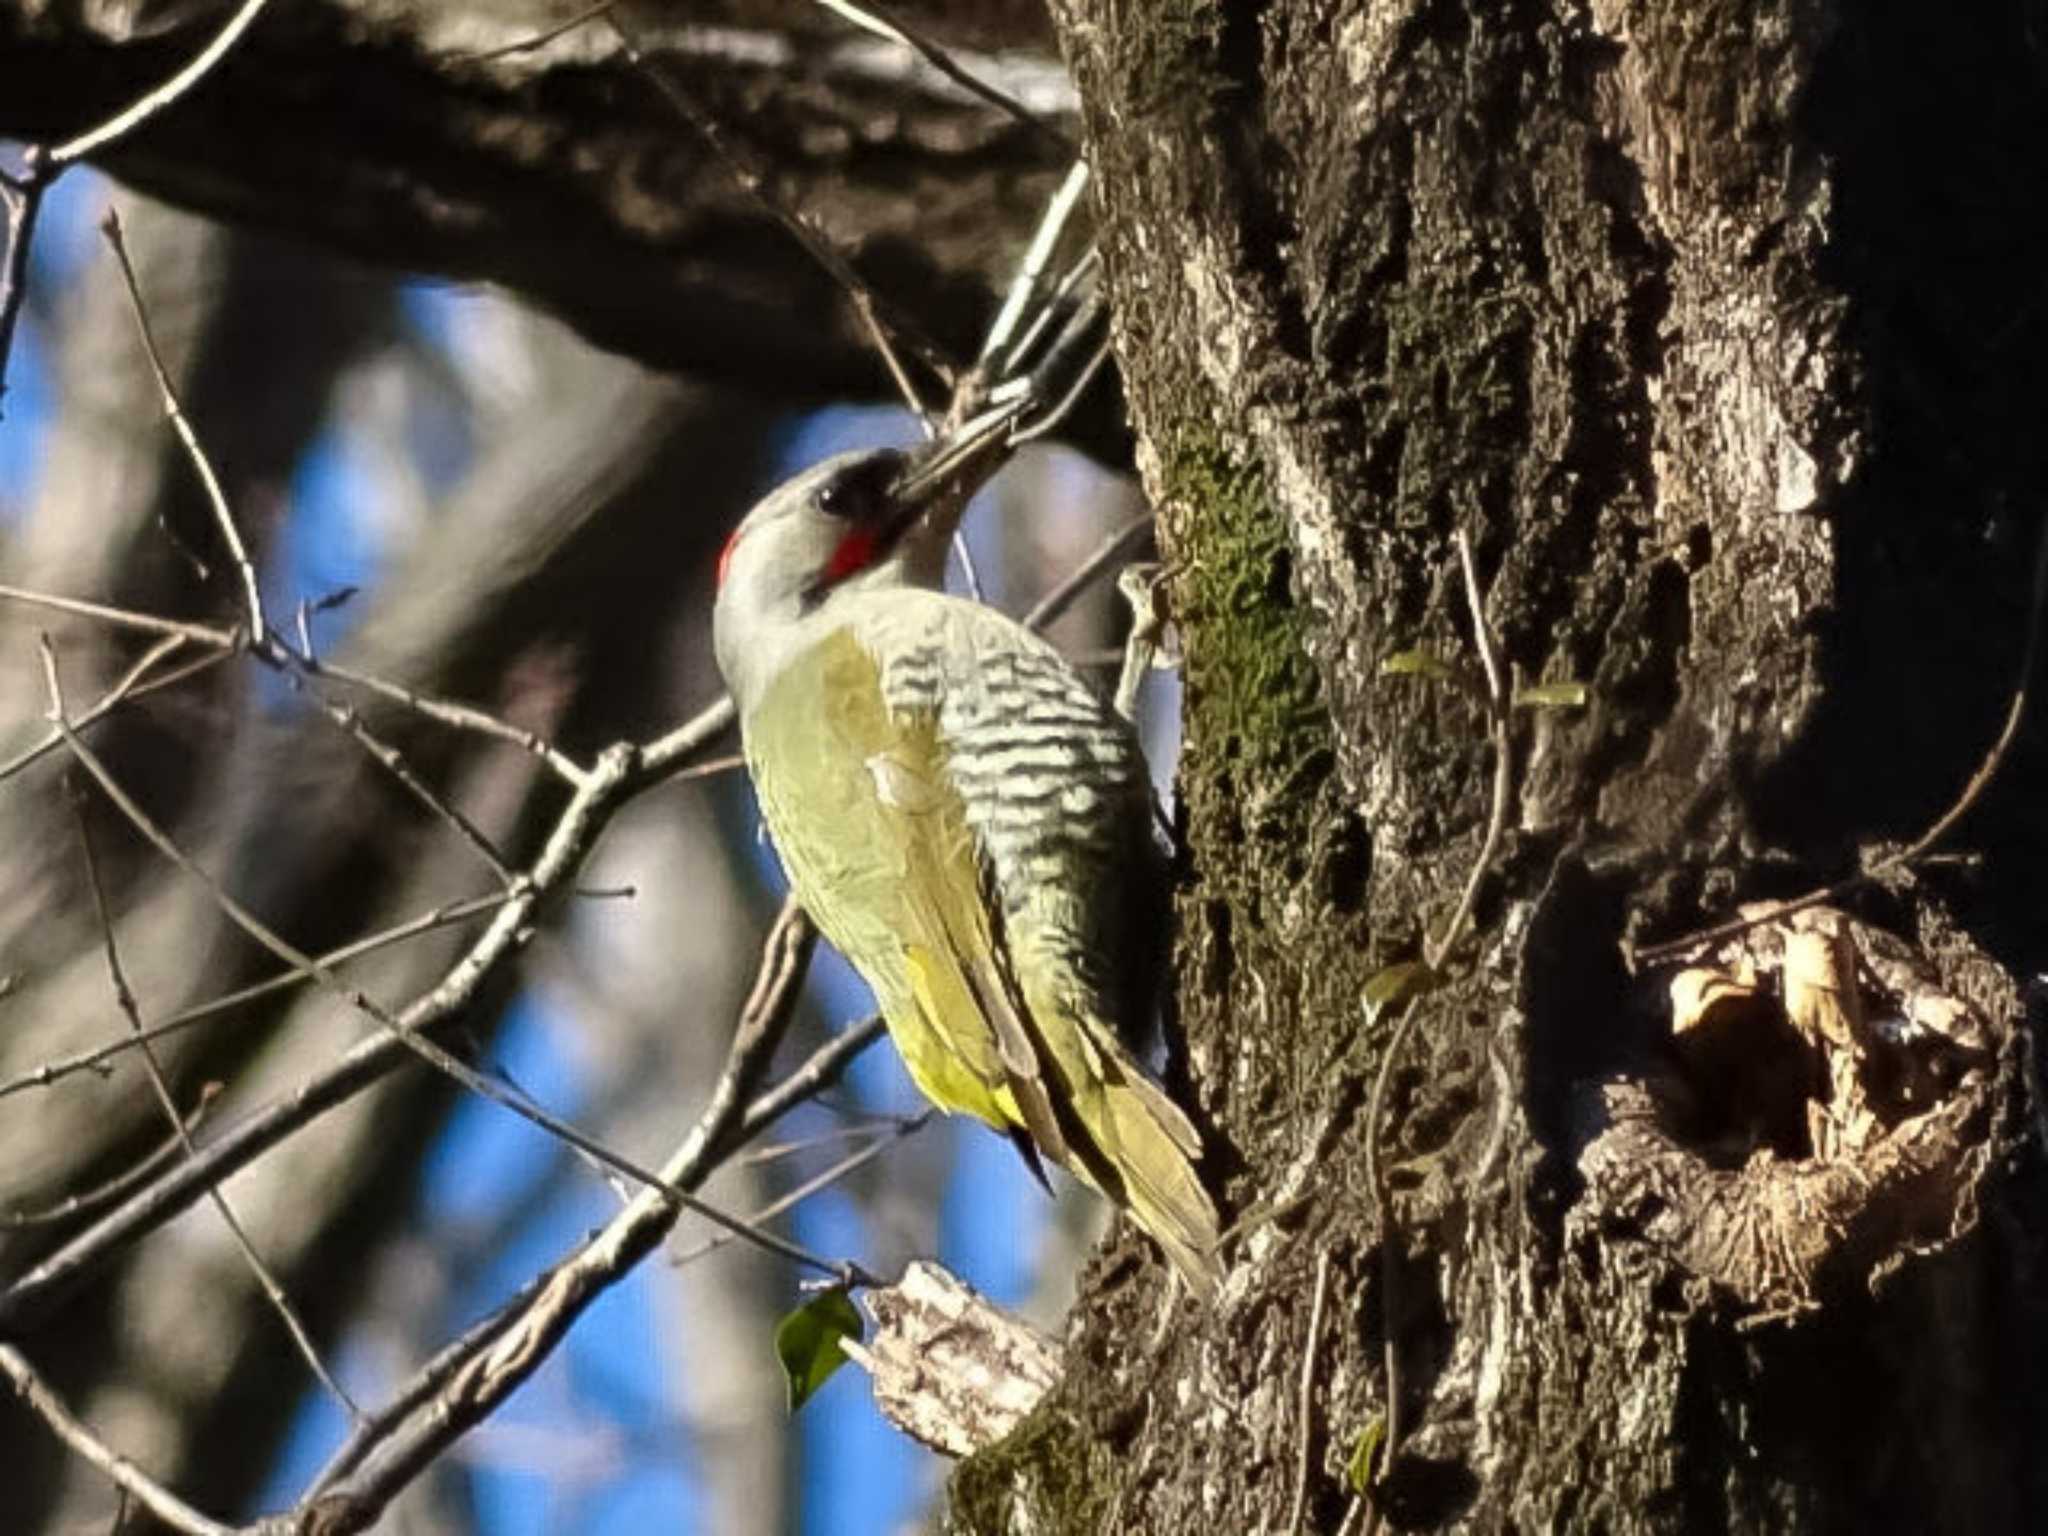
859	493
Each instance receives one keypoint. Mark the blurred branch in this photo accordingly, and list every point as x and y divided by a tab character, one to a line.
411	134
877	1141
129	686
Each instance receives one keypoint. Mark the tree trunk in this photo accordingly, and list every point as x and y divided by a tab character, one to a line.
1717	328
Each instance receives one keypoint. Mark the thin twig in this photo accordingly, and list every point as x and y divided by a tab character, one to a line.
1037	256
824	1068
88	1201
124	999
124	618
913	401
537	41
1051	420
130	118
1922	846
1062	597
663	756
94	1058
429	1378
589	810
763	1021
859	1128
1383	1220
146	1490
202	466
966	558
130	685
274	651
1083	266
395	764
1305	1411
876	1143
1500	723
465	717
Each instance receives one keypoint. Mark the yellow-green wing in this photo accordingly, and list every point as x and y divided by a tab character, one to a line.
877	846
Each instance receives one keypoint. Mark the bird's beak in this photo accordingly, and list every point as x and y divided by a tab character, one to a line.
941	478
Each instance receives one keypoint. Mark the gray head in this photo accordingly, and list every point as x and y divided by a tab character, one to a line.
860	521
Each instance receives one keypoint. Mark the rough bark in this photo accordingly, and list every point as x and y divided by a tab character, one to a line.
1711	325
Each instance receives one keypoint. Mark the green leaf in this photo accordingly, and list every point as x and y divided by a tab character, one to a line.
807	1342
1419	663
1553	696
1358	1471
1396	984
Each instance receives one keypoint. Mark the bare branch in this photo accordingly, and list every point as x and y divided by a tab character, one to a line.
23	200
130	118
1500	730
123	618
875	313
465	717
504	1356
434	1054
129	685
394	763
1305	1402
871	18
877	1142
663	756
581	820
216	498
152	1495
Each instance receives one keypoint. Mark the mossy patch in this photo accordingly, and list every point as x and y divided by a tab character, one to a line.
1257	723
1046	1463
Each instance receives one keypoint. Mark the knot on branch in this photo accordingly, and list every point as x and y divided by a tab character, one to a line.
1823	1114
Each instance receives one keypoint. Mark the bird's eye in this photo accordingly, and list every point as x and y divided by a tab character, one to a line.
859	493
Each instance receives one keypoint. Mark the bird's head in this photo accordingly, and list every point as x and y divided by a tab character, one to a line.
877	517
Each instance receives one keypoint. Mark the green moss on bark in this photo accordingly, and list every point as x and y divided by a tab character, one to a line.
1046	1463
1257	723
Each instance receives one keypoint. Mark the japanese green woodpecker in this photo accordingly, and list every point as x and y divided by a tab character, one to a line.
964	818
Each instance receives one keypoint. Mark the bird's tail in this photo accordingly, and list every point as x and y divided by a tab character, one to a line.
1152	1146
